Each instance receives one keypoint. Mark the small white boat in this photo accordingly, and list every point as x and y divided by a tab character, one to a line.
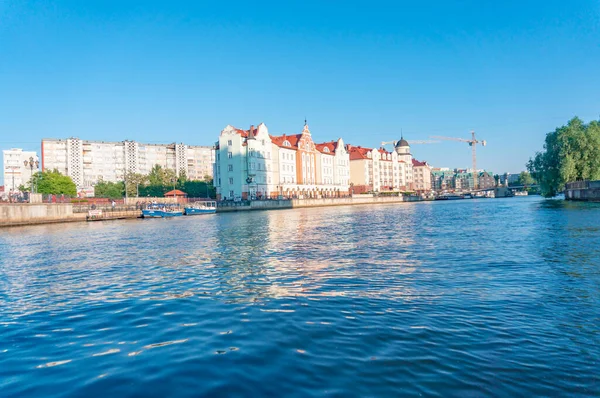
203	207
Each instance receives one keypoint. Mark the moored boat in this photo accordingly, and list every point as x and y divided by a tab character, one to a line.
161	211
203	207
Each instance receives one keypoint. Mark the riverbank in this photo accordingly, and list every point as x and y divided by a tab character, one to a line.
585	191
48	213
19	214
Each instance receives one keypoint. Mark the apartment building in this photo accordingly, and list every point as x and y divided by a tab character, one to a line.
88	162
15	171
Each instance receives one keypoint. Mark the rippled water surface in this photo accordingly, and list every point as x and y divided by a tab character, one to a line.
465	298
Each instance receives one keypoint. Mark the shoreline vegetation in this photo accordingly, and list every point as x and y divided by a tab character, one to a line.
571	153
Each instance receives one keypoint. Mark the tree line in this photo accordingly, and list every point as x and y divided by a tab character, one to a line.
156	183
571	153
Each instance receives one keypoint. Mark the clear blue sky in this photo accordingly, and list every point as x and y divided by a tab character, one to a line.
164	71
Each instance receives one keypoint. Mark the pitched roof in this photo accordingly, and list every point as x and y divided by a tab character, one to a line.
175	192
292	139
416	163
357	152
332	146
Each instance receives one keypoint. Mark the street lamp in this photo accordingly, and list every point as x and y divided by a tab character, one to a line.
31	163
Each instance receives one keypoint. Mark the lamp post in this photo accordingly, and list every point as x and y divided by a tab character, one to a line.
30	163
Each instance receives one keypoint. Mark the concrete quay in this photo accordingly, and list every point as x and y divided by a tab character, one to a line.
47	213
584	191
301	203
17	214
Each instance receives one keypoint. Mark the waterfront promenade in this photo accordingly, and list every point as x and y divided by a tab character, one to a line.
46	213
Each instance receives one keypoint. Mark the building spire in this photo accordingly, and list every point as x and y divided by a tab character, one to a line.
305	130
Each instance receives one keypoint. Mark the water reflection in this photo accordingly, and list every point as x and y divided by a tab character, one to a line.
488	291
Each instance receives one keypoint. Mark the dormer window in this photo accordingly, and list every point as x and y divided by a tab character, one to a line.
326	150
369	155
287	143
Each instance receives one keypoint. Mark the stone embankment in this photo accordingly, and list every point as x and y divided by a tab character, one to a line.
586	191
46	213
299	203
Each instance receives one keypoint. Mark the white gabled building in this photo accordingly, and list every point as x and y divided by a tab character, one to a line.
378	170
253	164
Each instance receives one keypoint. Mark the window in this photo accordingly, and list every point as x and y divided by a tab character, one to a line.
326	150
230	167
230	180
287	143
231	194
229	155
229	143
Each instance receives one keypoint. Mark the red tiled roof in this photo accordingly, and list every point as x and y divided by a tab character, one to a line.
175	192
357	152
332	146
416	163
292	139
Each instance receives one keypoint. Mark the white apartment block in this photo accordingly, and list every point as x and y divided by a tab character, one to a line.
379	170
253	164
16	173
88	162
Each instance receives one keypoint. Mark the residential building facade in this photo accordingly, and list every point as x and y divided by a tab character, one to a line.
378	170
421	176
254	164
15	171
88	162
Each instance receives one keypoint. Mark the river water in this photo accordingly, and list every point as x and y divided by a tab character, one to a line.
463	298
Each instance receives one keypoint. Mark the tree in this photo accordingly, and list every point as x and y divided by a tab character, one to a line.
198	189
525	179
170	178
111	190
134	181
571	153
52	182
156	175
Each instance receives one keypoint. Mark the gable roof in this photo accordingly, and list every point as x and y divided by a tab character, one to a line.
292	139
332	146
416	163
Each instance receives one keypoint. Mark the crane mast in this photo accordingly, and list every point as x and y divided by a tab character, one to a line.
473	143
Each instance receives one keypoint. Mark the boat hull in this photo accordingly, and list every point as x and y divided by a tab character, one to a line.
190	211
153	213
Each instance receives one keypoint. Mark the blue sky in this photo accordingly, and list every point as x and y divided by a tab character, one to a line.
164	71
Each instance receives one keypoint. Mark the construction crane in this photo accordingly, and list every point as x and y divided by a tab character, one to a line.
473	144
410	142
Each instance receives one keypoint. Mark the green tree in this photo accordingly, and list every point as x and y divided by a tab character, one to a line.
571	153
526	179
54	183
156	176
134	181
111	190
198	189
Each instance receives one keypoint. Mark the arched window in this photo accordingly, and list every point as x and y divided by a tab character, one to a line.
326	150
369	155
286	143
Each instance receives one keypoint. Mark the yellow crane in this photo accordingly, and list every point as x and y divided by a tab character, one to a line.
473	144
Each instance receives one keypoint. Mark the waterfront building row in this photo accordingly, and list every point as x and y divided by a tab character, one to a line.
460	180
88	162
255	164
